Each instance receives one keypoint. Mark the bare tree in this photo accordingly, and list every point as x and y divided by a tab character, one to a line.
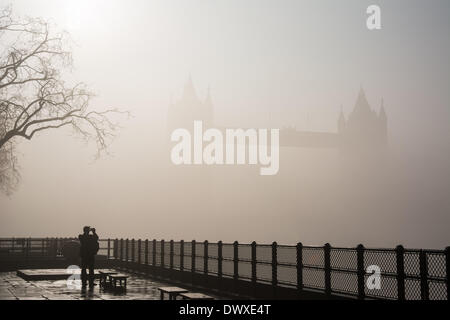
9	171
33	95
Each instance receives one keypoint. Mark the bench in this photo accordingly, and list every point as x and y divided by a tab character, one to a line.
171	291
103	275
195	296
121	278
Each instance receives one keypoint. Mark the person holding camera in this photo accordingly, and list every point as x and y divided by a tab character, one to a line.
88	249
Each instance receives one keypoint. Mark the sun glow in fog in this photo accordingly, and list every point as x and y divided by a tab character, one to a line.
85	15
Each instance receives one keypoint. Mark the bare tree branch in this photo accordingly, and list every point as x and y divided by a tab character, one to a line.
33	96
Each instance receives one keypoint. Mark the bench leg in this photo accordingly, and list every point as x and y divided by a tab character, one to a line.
162	296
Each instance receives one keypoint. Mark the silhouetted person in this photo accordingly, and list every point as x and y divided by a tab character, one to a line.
88	250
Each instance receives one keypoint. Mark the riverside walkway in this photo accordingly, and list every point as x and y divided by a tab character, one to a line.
254	270
13	287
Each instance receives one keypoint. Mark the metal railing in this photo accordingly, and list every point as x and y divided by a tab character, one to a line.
39	247
405	274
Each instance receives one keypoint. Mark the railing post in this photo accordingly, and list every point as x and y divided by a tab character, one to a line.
400	272
42	246
205	257
116	249
139	251
235	266
162	253
109	248
154	253
447	269
133	257
235	260
254	267
274	268
121	249
361	271
47	246
327	266
28	247
193	257
181	255
299	266
171	254
193	261
424	290
126	250
146	252
219	259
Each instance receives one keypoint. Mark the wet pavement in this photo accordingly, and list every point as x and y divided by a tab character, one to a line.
13	287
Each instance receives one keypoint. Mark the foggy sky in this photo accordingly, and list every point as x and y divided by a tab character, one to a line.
268	63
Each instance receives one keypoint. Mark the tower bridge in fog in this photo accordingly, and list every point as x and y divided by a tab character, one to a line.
363	129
